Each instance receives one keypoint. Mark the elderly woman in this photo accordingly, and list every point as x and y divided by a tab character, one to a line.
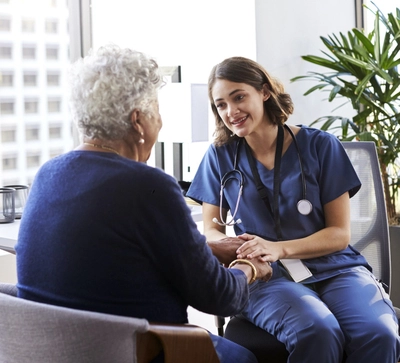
102	231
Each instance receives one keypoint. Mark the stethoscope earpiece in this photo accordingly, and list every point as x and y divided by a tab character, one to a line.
231	223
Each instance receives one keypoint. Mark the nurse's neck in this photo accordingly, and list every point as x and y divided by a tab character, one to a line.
263	141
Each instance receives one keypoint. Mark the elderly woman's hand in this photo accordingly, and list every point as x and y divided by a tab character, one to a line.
255	269
225	249
264	269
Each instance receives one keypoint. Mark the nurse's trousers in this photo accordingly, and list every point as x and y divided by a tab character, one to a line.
347	315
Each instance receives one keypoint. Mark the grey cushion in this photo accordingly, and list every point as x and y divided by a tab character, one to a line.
34	332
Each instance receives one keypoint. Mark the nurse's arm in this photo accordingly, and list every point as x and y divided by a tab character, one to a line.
222	246
334	237
213	231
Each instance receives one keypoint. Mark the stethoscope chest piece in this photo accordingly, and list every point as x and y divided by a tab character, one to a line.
304	207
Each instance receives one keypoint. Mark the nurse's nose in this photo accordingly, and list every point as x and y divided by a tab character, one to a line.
232	111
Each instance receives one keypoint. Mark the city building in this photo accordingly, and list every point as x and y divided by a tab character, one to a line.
34	56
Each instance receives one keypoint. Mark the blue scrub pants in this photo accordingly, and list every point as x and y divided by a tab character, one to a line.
349	313
230	352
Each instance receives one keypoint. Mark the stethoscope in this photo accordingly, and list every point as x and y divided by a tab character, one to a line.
304	206
231	175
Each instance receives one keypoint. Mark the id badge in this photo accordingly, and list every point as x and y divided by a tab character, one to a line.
297	269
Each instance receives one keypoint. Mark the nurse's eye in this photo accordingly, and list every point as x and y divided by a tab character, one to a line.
239	97
220	105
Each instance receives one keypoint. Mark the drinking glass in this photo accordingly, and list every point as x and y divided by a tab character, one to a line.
7	206
20	196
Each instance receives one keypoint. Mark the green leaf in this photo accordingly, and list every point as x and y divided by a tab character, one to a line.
364	40
322	62
335	90
377	45
354	61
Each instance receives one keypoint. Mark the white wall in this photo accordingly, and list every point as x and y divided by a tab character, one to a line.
289	29
199	35
195	36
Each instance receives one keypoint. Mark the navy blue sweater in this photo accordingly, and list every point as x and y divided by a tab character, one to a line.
104	233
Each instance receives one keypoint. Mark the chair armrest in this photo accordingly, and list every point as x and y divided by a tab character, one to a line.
181	343
9	289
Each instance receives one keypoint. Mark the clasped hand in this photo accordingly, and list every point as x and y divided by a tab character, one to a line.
255	246
248	247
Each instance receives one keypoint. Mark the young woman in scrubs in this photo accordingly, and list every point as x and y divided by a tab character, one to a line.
339	308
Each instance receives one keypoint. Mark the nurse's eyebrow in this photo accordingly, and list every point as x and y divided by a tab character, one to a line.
230	94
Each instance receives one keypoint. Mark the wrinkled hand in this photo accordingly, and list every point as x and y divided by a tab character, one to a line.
225	249
255	246
264	269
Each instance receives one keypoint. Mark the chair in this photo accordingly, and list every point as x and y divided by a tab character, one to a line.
369	229
35	332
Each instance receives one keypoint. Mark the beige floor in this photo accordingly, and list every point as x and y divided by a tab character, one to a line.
7	268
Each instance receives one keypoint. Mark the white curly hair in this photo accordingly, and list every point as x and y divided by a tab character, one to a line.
107	85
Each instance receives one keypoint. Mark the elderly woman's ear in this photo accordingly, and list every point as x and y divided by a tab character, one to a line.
136	125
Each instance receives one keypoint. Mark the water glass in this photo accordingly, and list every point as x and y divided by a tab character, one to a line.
20	197
7	205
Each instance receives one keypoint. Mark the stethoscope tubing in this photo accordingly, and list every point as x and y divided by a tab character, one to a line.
304	206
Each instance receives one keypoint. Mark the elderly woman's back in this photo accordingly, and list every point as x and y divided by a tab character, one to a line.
104	233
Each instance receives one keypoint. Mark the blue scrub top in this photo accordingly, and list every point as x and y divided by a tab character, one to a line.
328	174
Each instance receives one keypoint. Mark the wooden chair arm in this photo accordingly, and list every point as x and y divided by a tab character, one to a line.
181	343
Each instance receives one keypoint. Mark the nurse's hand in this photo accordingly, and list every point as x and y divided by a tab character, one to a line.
225	249
255	246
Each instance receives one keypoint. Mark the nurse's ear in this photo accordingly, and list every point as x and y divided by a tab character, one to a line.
266	92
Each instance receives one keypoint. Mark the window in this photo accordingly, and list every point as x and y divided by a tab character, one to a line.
9	162
32	133
53	79
8	135
55	132
6	79
52	52
5	24
30	79
31	106
34	46
53	105
5	51
6	107
51	26
10	181
28	52
56	152
28	25
33	160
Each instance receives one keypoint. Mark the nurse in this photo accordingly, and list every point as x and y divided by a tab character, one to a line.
288	190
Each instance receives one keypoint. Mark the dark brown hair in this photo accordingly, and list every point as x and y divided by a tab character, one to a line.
278	107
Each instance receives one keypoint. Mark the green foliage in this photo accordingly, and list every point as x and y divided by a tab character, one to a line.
363	70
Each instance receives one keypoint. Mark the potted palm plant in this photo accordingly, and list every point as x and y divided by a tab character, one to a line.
362	68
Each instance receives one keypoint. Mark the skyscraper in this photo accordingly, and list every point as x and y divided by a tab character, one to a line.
34	55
